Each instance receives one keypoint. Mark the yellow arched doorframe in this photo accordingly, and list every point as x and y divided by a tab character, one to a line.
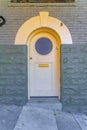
43	23
43	20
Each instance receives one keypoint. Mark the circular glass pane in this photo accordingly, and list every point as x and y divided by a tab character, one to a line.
43	46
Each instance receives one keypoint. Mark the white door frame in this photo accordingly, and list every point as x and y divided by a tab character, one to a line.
43	21
51	35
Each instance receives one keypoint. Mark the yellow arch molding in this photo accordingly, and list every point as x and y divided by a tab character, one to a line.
48	31
43	21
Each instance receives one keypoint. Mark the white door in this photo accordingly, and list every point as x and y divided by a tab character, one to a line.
43	65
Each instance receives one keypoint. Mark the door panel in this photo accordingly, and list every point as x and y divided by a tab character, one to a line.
43	79
43	65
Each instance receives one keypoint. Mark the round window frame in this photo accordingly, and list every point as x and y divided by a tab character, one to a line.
48	49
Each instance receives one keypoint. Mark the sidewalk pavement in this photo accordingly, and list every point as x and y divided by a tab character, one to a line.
36	119
15	118
8	116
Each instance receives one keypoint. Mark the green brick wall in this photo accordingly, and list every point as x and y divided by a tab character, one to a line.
13	74
14	82
74	77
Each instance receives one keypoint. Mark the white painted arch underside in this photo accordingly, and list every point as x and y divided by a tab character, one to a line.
43	20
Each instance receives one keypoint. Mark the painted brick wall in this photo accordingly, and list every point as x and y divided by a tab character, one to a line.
13	74
13	58
73	15
74	77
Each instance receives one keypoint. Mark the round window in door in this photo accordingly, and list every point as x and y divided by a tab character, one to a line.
43	46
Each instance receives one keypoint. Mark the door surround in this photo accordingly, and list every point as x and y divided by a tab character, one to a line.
39	24
43	20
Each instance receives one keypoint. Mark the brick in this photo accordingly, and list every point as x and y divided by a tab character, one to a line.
13	74
74	77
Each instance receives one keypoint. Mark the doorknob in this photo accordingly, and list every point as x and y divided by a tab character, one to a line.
30	58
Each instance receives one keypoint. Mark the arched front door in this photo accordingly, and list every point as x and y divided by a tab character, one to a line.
44	65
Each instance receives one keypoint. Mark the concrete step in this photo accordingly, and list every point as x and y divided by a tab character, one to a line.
46	103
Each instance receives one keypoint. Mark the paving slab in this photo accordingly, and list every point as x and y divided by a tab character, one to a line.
32	118
8	116
66	121
81	120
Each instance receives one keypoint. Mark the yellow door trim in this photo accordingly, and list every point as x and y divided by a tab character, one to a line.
43	20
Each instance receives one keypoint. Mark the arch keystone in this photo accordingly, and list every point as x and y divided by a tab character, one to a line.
44	18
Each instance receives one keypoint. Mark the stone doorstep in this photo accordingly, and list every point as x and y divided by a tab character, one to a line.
48	106
46	103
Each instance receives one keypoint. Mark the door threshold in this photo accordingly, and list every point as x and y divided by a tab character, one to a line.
50	99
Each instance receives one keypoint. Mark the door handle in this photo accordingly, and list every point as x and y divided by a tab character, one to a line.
30	58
